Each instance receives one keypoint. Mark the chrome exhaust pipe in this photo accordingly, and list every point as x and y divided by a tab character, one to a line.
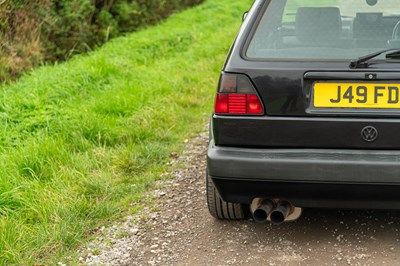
281	212
260	209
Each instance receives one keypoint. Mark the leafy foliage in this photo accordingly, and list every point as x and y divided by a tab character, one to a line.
50	30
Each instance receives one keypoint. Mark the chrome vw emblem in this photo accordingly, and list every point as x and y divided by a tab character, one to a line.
369	134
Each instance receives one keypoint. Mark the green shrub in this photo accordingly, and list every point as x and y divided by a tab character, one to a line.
49	30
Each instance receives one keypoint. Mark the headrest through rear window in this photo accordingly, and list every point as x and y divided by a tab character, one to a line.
318	25
369	26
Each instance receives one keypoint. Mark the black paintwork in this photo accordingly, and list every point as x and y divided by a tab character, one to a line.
291	124
304	132
290	120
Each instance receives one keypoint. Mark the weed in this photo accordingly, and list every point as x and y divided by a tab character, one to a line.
96	252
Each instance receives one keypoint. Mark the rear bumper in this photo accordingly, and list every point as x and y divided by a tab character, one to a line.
308	177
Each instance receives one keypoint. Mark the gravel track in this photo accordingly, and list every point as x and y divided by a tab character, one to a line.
177	230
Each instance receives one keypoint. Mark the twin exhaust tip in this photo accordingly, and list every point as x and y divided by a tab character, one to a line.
276	211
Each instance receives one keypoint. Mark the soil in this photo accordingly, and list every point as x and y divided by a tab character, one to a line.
178	230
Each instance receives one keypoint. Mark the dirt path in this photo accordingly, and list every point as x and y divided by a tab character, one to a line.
178	230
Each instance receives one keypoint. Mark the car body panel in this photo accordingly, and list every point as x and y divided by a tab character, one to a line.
313	157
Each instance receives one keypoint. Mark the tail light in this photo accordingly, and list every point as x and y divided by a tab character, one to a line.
237	96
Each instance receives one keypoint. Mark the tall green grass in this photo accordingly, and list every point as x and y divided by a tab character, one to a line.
82	140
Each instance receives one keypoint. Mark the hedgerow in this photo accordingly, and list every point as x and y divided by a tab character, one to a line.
49	30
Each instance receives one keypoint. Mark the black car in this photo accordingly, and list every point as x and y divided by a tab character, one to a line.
307	112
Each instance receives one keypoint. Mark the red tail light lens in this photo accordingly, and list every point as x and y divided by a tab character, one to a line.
254	105
238	104
221	104
237	96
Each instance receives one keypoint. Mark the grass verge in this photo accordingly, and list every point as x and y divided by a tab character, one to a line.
81	141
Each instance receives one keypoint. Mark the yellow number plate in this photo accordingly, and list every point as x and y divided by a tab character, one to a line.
356	95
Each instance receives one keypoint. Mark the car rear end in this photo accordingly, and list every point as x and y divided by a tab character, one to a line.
296	124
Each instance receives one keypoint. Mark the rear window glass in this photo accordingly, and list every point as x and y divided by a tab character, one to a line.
326	29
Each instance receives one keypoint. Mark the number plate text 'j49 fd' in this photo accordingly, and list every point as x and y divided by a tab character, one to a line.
356	95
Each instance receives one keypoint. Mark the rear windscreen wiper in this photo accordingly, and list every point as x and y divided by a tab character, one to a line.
393	55
363	60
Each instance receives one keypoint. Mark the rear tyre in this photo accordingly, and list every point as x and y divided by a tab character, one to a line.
219	208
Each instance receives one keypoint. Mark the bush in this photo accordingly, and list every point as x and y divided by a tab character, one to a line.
50	30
